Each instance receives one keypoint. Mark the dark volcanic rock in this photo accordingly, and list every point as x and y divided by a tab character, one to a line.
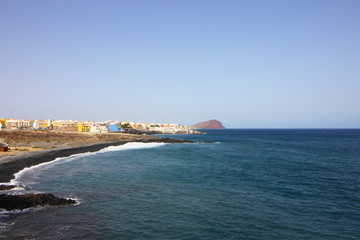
11	202
8	187
211	124
170	140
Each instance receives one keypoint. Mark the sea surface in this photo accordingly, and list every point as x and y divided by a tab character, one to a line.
246	184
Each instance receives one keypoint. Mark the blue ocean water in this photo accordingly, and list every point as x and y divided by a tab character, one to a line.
248	184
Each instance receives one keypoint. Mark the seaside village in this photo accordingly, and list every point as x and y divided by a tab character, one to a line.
96	127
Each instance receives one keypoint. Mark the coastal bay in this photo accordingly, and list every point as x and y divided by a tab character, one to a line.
56	144
62	144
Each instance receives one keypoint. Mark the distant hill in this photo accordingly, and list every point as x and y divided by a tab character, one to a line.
211	124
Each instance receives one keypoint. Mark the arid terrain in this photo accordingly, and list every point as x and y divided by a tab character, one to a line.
20	141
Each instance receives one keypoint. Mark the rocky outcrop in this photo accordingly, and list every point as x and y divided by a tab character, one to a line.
11	202
167	140
9	187
211	124
197	132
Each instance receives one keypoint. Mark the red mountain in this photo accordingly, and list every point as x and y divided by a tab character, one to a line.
211	124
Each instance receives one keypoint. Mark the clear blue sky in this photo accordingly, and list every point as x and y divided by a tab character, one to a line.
249	64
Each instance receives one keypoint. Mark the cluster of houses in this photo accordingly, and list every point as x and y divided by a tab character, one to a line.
95	127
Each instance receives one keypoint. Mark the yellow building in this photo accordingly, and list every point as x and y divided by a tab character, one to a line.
65	125
82	127
3	121
138	126
57	124
43	124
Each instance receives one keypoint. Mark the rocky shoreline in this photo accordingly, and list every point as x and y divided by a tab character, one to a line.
23	201
12	164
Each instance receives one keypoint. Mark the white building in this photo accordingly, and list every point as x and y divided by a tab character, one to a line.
12	124
98	129
24	124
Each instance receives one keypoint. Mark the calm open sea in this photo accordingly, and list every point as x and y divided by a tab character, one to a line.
249	184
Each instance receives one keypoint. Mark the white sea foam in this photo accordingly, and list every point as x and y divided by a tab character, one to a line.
4	212
42	165
126	146
131	145
77	200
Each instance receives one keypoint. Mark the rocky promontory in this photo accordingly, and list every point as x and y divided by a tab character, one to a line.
211	124
11	202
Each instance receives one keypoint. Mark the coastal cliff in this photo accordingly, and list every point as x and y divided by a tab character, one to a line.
211	124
